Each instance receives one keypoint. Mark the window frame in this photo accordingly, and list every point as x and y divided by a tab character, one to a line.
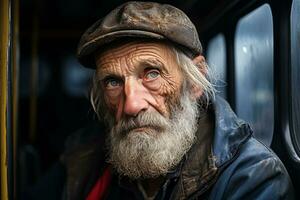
293	132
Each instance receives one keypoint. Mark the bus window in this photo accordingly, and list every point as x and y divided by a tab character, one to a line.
254	71
216	57
295	74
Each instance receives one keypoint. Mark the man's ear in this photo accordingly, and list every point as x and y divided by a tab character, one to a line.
200	62
196	92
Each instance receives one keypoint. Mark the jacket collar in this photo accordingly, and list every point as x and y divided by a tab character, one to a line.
230	132
199	167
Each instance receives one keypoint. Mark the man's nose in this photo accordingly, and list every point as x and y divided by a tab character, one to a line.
135	98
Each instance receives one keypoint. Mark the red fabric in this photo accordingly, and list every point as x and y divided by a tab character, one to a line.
100	188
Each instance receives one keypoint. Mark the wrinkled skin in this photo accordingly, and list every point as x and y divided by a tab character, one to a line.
140	76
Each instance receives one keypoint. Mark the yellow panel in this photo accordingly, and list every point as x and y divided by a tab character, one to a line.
4	42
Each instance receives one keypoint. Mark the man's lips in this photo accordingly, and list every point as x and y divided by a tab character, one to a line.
142	128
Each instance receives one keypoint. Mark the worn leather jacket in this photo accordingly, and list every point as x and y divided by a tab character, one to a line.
226	162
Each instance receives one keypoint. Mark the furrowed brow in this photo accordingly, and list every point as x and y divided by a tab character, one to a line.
105	75
152	63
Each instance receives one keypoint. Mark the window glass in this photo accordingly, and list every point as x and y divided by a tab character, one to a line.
216	58
254	72
295	75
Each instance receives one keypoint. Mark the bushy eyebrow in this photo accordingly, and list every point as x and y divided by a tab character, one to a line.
151	63
106	75
104	71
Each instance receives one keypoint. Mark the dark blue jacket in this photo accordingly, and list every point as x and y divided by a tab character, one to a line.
226	162
248	168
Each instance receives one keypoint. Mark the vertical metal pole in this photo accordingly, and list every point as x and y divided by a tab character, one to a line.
4	51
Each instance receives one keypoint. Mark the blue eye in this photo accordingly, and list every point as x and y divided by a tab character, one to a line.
112	83
152	74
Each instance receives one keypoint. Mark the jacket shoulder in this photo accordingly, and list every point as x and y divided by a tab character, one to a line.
254	173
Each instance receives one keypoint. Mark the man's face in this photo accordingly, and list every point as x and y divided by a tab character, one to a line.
153	117
139	76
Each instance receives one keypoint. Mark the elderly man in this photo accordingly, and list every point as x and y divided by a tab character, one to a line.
168	136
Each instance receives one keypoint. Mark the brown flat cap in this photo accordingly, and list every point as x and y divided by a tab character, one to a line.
139	20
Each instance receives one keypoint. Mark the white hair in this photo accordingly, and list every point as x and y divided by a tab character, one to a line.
195	77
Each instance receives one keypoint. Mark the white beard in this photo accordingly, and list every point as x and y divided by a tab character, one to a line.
153	151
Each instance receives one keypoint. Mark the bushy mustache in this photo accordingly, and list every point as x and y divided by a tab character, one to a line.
153	120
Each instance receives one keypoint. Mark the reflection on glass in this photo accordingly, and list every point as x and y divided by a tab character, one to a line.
295	52
76	78
254	72
216	58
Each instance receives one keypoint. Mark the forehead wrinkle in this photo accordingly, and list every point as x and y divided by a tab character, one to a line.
148	53
123	69
109	69
131	60
132	53
110	58
129	68
145	60
132	47
141	60
149	46
151	59
159	46
113	55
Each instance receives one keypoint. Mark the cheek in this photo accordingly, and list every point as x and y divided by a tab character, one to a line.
165	85
166	94
171	86
162	102
113	98
171	91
